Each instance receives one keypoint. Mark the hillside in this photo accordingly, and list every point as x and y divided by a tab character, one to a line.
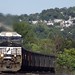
50	32
62	13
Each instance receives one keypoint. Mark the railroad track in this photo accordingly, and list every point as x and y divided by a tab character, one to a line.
26	74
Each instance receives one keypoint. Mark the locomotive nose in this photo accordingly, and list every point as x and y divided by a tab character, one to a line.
11	59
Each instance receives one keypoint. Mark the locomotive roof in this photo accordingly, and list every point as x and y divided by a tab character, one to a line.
10	34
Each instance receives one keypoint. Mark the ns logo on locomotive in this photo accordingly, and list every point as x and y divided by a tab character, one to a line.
15	58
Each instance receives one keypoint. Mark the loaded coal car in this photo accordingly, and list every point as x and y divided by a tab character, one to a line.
37	62
15	58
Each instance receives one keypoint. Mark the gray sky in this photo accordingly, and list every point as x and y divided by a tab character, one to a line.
32	6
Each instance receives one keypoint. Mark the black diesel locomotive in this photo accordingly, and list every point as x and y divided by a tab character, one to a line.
15	58
10	51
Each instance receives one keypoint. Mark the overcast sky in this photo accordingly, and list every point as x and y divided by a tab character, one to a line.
18	7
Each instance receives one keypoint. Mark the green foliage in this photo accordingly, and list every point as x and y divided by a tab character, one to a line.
67	59
69	33
53	32
51	14
36	47
41	30
45	46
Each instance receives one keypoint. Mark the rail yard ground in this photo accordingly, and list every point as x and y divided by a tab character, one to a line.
27	74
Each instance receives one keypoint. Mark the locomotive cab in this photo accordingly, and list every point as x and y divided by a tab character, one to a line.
10	51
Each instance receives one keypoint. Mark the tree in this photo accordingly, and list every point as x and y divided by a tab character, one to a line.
44	46
41	30
67	59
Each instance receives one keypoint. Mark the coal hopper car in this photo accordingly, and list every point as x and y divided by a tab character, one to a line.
32	61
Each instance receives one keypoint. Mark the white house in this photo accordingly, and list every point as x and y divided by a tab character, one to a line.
66	23
34	22
50	23
57	20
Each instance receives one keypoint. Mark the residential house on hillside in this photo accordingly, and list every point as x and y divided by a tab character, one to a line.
57	20
34	22
50	23
66	23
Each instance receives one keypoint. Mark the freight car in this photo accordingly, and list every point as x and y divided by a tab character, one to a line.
37	62
15	58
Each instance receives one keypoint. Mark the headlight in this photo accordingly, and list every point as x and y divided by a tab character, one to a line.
2	55
15	55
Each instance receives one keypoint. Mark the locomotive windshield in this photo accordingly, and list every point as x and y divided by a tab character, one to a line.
10	40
